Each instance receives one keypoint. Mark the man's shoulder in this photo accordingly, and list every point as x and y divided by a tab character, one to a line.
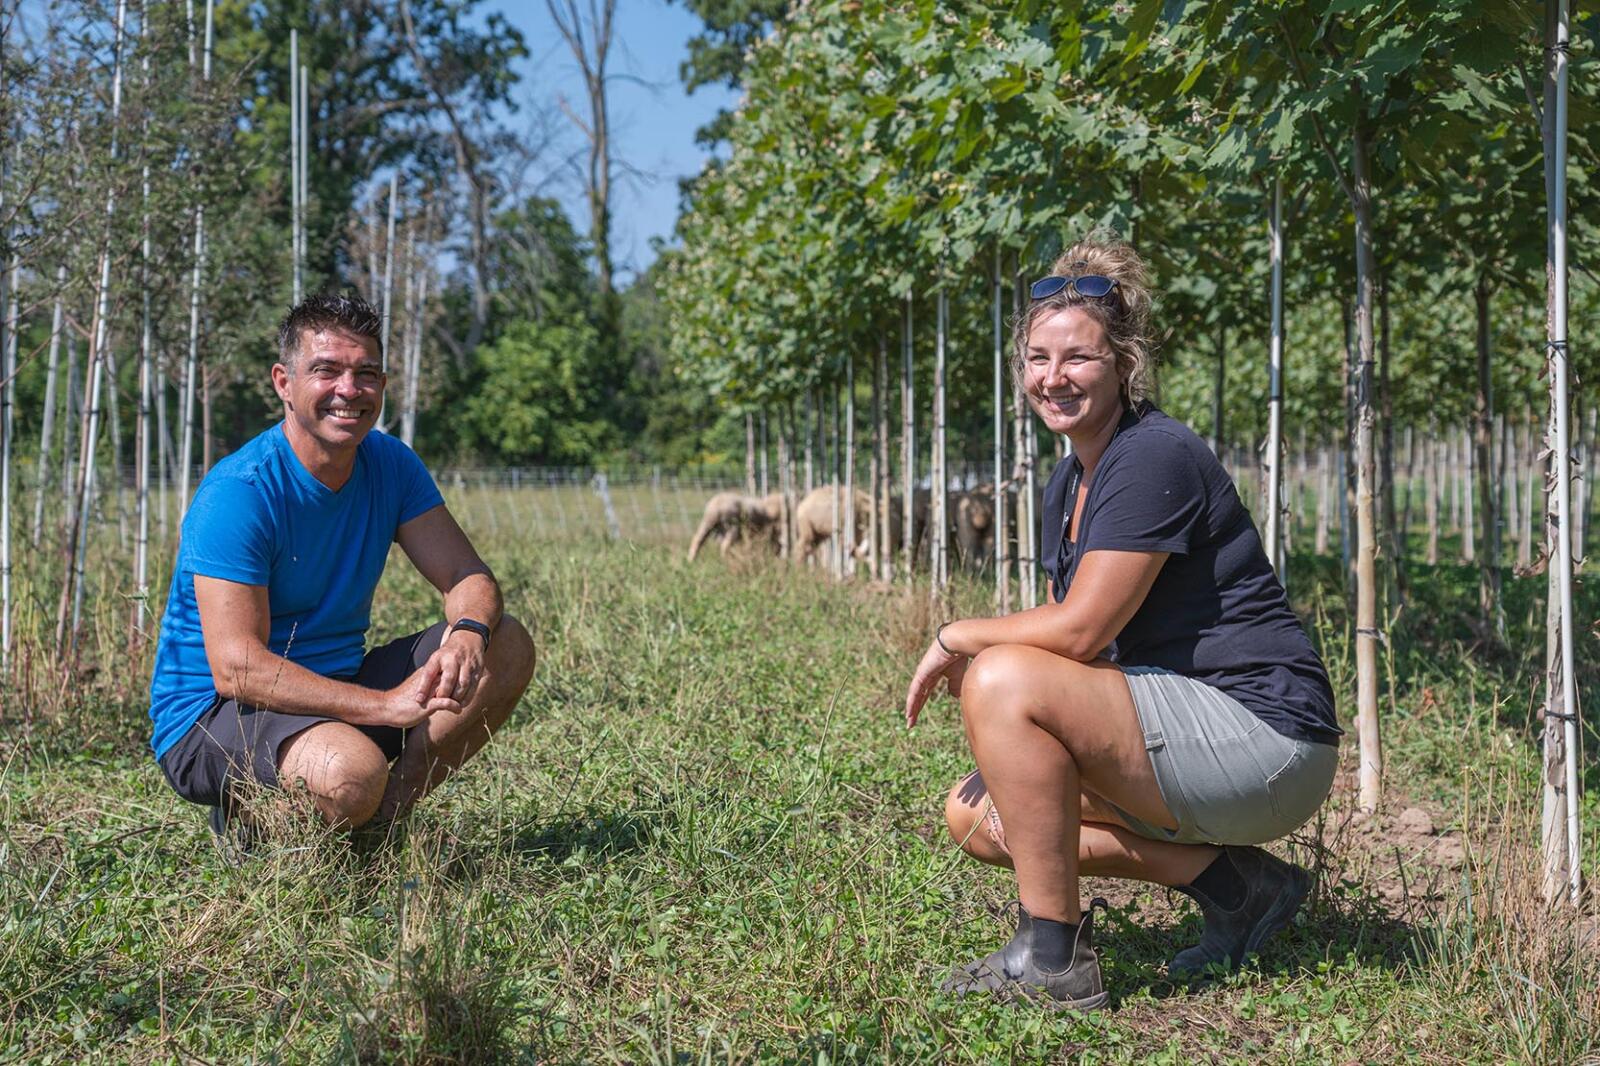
249	466
389	451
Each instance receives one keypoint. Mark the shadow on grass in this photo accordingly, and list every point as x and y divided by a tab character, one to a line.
1133	956
584	839
591	835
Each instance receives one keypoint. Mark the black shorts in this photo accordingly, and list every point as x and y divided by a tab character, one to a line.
233	741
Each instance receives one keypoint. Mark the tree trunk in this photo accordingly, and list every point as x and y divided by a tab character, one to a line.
1371	767
1324	498
295	249
77	533
785	478
881	496
192	368
1490	609
388	291
8	407
141	549
1436	480
114	431
47	428
467	161
908	445
875	542
1563	866
71	427
835	479
1002	575
1516	520
414	360
589	40
1469	506
408	316
207	441
847	546
1348	456
1276	552
749	453
1406	493
1583	488
939	514
1392	533
813	436
1219	388
761	450
1530	479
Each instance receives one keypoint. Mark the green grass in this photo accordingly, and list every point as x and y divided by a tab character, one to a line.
707	836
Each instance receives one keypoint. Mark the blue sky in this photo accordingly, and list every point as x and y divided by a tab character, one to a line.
653	120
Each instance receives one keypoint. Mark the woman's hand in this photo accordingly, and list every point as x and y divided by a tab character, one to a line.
936	663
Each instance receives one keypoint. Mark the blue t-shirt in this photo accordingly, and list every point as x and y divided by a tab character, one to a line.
1216	612
261	518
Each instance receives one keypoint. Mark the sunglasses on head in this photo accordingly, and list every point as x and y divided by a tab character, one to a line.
1089	286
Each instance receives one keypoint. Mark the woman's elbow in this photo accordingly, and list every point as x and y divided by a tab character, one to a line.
1082	645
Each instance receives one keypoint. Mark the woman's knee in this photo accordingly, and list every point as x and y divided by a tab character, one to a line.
995	678
963	808
973	822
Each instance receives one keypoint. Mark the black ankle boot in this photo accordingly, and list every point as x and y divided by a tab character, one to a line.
1013	973
1274	891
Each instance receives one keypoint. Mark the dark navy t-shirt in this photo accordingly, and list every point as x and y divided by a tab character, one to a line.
1217	612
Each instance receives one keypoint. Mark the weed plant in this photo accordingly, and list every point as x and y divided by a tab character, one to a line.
706	836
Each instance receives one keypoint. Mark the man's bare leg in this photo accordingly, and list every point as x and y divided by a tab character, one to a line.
342	768
434	751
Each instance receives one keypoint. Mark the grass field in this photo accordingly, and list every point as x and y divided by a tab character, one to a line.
707	836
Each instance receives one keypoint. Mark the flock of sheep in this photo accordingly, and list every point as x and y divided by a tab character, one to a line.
734	518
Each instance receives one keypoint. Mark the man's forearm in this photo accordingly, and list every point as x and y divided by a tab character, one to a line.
476	596
274	683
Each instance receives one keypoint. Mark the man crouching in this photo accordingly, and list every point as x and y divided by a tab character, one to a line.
260	671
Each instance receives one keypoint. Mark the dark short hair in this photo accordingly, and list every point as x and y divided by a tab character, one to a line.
342	312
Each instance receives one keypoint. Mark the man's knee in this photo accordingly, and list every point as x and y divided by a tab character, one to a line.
357	790
514	653
344	771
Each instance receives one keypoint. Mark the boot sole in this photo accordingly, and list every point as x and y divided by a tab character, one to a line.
1088	1003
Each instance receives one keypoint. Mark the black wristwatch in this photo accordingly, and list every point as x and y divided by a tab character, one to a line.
472	625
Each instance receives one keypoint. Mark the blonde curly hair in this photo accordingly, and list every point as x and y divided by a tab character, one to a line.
1125	315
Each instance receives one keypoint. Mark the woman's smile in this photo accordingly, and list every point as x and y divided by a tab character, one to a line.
1071	374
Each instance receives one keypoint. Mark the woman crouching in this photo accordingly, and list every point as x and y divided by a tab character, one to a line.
1165	713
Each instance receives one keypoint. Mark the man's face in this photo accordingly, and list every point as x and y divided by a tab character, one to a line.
336	388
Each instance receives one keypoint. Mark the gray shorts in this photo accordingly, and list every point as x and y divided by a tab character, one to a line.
1226	776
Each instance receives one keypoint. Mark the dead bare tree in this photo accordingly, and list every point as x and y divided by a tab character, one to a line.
588	33
469	164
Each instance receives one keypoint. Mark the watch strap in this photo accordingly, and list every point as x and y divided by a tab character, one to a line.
472	625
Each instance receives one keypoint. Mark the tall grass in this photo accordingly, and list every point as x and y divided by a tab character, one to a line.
706	836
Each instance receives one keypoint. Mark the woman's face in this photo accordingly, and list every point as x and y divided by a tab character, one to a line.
1070	373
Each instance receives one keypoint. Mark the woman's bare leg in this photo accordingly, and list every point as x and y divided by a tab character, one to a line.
1044	729
1106	847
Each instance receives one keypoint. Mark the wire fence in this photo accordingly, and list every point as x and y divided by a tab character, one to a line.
644	505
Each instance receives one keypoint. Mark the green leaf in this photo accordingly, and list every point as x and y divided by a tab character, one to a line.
1140	27
1193	75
